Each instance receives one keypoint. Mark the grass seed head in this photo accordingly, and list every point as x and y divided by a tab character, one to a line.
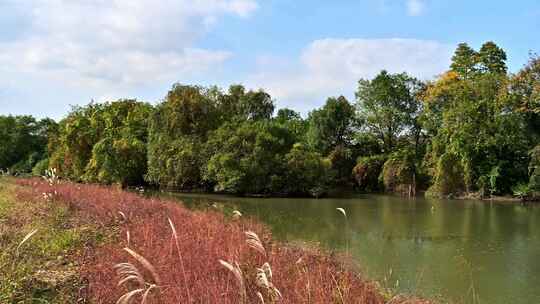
144	262
342	211
26	238
254	242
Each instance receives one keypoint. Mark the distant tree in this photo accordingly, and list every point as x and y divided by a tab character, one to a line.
524	95
178	130
294	122
258	105
388	106
534	169
464	61
247	157
23	142
475	143
104	143
307	172
332	125
492	58
242	105
367	171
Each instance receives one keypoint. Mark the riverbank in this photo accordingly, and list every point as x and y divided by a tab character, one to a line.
99	244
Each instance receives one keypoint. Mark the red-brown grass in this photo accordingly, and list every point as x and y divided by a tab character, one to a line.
191	272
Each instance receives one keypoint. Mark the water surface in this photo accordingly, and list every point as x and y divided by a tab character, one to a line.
463	251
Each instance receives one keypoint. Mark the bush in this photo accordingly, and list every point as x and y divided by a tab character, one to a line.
448	177
399	173
522	191
40	168
367	172
121	161
247	157
342	162
307	172
534	169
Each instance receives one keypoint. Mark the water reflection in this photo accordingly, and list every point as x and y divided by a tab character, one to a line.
452	249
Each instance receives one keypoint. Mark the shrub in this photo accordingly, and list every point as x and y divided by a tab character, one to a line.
534	169
399	173
121	161
307	171
40	168
248	157
367	172
342	161
449	176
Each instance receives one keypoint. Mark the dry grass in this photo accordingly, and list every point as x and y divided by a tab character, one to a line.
179	249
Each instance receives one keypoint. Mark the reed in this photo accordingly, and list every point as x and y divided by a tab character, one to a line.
347	236
175	236
254	242
237	272
128	272
25	239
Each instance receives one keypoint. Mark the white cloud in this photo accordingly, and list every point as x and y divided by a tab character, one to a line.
331	67
114	44
415	7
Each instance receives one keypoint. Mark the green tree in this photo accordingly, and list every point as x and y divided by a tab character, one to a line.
523	96
23	142
177	133
388	106
103	143
293	121
332	125
492	58
534	169
307	172
367	172
247	157
464	61
242	105
475	142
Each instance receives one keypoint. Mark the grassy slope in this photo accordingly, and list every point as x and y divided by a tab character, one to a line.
45	268
83	230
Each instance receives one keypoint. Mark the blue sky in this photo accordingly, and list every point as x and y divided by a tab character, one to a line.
57	53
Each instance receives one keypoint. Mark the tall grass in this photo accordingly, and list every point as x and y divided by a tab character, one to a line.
181	256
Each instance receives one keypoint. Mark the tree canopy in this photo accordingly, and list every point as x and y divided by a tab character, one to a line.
473	129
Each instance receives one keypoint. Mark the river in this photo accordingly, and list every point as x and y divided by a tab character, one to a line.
461	251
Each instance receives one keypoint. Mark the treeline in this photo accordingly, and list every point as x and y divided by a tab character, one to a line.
474	129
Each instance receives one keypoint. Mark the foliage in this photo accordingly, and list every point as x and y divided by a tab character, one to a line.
293	122
476	143
103	143
120	161
23	142
241	105
523	95
522	191
464	60
307	172
399	173
247	157
534	169
178	150
367	172
388	106
470	129
332	125
342	160
40	167
468	63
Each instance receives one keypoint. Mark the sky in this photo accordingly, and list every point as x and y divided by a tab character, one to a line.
59	53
